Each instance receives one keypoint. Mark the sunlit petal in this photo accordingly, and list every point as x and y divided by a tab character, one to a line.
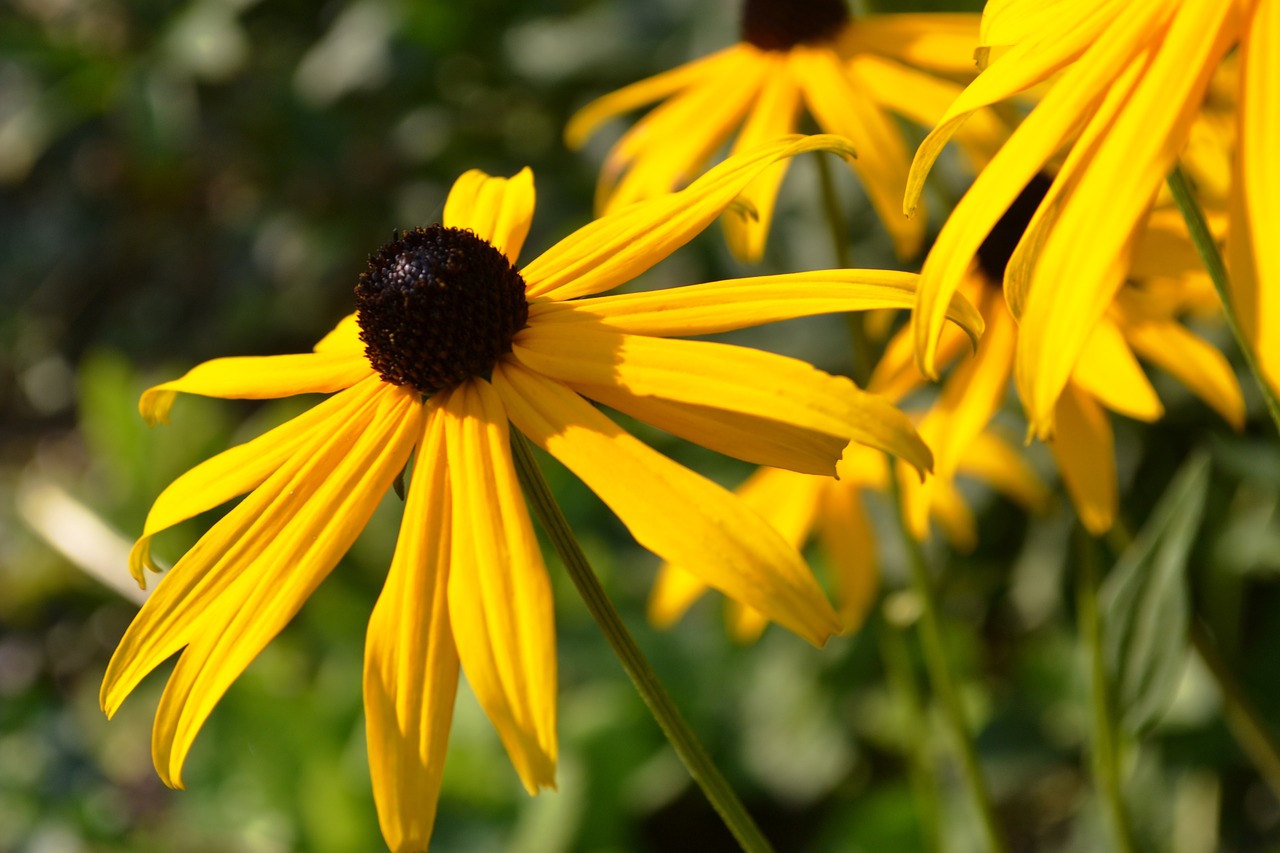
1084	448
498	210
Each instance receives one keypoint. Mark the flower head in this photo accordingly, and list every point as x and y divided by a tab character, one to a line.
449	345
1126	86
852	75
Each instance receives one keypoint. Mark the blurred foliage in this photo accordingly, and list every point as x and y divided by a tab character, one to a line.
181	181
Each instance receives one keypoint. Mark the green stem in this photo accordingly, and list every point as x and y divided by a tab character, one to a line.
1105	748
902	681
686	744
935	656
1208	249
862	353
1251	732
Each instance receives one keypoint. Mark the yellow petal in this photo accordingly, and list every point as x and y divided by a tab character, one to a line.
1005	468
258	378
773	115
670	510
410	662
245	579
1084	448
499	592
620	246
848	538
1193	362
674	592
1109	371
721	376
1085	257
345	338
941	42
953	515
834	95
498	210
242	468
585	121
724	306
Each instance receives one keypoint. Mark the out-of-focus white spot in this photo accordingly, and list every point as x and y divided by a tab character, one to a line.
352	55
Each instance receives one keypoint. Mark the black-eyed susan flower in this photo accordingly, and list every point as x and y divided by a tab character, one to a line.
1126	85
1141	319
449	345
803	507
854	76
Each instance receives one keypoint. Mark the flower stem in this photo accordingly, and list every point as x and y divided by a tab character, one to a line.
1180	187
686	744
862	355
935	656
1104	756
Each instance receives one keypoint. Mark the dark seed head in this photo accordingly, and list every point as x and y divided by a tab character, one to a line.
783	24
437	307
995	251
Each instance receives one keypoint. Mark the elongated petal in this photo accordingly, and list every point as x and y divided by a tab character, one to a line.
1005	468
723	306
674	592
410	662
1193	362
670	510
241	469
772	115
499	592
833	94
1085	450
258	378
499	210
620	246
721	376
848	538
247	577
584	122
948	508
345	338
1076	274
1109	371
941	42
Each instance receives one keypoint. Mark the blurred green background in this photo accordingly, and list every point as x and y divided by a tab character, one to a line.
180	181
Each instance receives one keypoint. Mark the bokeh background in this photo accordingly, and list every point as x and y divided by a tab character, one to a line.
184	180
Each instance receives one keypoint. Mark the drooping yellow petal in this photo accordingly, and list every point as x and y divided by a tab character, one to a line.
620	246
499	210
1193	362
241	469
723	306
410	662
258	378
585	121
1009	22
245	579
499	592
948	508
1084	448
848	538
772	115
1259	181
1084	258
941	42
897	374
1109	371
674	592
721	376
345	338
834	96
675	513
995	462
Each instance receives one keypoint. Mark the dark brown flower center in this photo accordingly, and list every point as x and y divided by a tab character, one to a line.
437	307
995	251
783	24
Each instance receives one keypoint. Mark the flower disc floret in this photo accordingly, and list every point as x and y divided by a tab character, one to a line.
781	25
437	307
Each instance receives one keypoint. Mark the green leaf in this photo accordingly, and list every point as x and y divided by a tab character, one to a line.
1145	605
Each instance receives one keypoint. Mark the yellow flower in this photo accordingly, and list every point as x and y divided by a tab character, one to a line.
449	344
1127	84
853	76
801	506
1140	319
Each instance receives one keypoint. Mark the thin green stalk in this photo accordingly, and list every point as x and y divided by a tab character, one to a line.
902	681
862	353
944	685
1251	732
1104	758
686	744
1208	249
